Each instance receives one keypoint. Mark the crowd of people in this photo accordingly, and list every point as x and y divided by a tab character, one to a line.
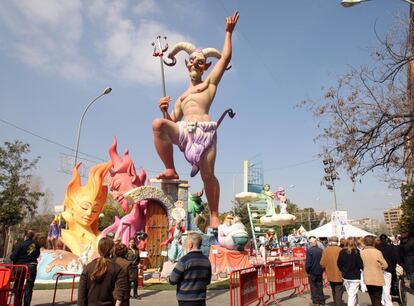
368	264
109	278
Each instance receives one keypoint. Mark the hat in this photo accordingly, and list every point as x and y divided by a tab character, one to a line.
383	237
333	239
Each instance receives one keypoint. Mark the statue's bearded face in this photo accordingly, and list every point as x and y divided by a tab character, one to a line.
196	65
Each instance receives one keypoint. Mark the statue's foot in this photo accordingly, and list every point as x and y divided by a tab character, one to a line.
194	170
168	174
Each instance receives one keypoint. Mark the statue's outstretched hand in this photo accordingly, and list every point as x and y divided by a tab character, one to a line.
164	104
231	22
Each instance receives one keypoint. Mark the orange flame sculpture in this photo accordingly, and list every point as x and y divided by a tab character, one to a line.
83	204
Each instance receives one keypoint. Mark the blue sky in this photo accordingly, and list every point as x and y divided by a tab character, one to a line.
56	56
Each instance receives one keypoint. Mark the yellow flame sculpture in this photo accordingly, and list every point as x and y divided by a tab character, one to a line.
83	204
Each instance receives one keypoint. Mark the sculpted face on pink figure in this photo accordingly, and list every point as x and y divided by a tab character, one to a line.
120	183
123	176
86	212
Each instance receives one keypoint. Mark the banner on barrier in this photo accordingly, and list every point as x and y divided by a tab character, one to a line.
299	253
248	287
284	277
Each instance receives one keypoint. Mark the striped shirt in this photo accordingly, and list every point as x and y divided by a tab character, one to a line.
191	274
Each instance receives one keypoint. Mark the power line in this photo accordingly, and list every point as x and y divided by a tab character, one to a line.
47	139
147	170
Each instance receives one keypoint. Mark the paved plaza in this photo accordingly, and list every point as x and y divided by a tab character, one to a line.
167	297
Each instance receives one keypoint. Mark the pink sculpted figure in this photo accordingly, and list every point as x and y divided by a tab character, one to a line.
123	178
196	135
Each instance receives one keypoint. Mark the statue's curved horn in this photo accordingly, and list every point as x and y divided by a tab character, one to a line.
211	52
181	46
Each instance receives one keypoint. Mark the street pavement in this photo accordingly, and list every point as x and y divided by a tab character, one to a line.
167	298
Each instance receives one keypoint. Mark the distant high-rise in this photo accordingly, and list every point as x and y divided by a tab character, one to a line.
392	217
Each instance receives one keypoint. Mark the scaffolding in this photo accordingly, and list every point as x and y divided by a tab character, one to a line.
254	183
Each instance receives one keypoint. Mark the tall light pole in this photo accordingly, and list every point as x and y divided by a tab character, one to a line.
409	141
330	178
105	92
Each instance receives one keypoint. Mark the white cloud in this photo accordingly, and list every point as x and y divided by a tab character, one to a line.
46	35
50	35
145	7
126	46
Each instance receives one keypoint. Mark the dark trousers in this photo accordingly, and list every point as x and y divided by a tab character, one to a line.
192	303
135	287
337	292
375	293
316	287
28	289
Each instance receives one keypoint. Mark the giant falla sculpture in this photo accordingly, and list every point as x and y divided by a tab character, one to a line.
123	178
196	135
83	204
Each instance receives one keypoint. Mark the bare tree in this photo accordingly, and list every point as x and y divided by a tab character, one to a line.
366	118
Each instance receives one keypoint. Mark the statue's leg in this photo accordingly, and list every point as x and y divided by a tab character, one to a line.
166	134
211	184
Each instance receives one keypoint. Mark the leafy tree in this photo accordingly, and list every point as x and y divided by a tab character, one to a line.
17	199
406	223
109	211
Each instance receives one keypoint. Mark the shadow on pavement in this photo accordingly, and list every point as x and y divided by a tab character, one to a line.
214	293
58	304
146	294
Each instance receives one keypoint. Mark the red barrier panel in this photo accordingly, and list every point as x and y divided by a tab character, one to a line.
246	286
12	288
281	277
298	253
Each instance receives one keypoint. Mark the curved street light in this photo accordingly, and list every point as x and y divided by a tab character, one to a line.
105	92
349	3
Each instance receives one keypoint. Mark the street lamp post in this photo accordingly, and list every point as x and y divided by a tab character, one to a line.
105	92
409	141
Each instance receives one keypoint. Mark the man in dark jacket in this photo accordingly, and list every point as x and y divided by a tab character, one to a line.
192	274
406	256
315	271
390	256
26	254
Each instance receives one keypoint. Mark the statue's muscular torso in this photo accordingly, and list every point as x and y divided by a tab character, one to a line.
194	104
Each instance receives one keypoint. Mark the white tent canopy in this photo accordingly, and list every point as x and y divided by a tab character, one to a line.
328	230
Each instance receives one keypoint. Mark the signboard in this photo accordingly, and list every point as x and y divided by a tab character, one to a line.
284	279
248	287
299	253
339	222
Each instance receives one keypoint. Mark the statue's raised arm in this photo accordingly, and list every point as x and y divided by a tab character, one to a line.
224	61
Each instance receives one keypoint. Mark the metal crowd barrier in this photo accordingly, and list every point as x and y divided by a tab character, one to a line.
12	282
59	275
281	277
247	286
261	284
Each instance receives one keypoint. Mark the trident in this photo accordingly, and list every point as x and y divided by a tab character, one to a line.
159	52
